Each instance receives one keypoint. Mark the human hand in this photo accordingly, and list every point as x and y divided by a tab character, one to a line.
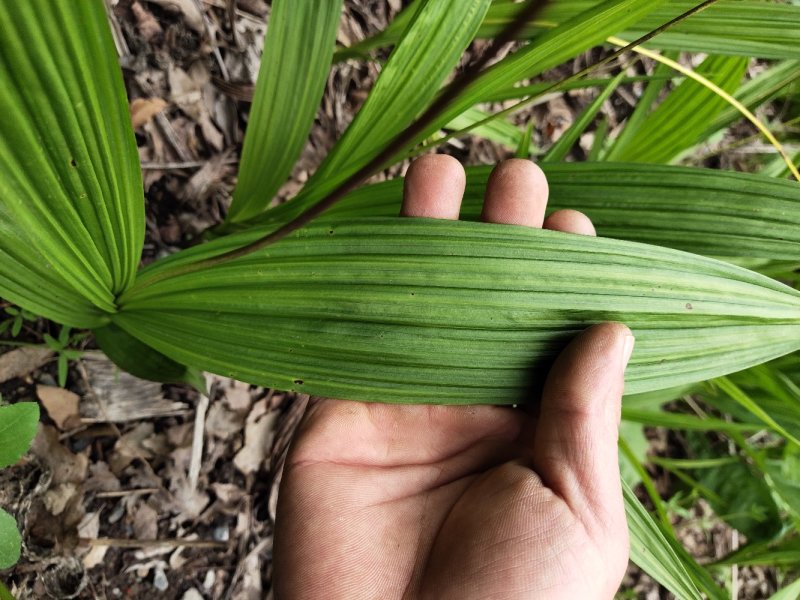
385	501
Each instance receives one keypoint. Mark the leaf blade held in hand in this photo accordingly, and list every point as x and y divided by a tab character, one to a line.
294	67
410	310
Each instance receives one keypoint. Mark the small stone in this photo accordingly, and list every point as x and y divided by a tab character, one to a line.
160	581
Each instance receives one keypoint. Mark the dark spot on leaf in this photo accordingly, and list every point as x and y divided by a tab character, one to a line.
689	306
330	232
412	293
298	382
73	162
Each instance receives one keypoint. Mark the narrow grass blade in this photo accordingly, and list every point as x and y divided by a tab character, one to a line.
561	148
71	206
672	420
790	592
710	85
763	87
416	310
397	99
652	552
735	393
499	130
784	553
294	67
660	77
429	49
682	117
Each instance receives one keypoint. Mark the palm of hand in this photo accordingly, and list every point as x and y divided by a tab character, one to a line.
430	502
390	502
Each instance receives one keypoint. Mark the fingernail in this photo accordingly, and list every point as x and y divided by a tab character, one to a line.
627	349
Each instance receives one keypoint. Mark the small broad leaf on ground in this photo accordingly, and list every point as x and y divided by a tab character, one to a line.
9	540
17	427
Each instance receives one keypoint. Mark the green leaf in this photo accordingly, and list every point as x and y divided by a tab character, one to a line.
652	552
561	148
429	49
418	310
672	420
18	423
681	119
635	445
71	208
4	593
63	370
752	28
138	359
16	327
742	499
742	28
524	147
785	552
739	396
703	211
294	68
771	389
784	475
763	87
10	540
52	343
497	130
412	82
790	592
661	75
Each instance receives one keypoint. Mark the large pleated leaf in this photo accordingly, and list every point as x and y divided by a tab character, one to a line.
740	28
71	206
680	120
705	211
294	67
403	310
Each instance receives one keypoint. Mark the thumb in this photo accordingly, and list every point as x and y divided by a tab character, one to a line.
575	443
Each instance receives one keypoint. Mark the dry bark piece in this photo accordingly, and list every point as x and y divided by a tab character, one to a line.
61	405
119	397
22	361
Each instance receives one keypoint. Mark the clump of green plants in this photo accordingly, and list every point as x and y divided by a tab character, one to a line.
331	293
